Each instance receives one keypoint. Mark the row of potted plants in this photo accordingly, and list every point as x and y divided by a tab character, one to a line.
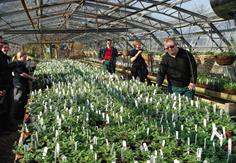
217	82
86	116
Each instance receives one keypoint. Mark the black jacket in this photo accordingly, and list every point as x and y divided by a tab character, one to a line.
5	71
139	62
180	70
18	80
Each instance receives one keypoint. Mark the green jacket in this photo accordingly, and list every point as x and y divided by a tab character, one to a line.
102	53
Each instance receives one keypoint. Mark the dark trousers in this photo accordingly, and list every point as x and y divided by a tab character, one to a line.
110	66
139	71
19	101
180	90
6	121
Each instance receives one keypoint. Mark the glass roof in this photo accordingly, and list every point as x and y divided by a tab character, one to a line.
193	22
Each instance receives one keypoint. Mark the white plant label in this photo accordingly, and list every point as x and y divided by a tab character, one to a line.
95	156
121	109
176	161
95	140
148	131
107	142
163	143
145	147
36	136
45	151
224	133
229	146
121	119
161	118
199	154
87	117
191	102
188	141
155	152
195	138
124	145
161	153
107	119
177	135
204	143
57	149
204	122
221	139
76	146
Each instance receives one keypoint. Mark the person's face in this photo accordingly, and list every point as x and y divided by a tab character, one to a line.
22	57
138	46
109	43
170	47
5	49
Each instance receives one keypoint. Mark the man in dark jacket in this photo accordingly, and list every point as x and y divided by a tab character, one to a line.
180	68
6	86
108	56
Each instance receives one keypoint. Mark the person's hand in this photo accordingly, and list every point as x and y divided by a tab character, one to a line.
120	53
191	86
2	93
140	51
103	61
34	78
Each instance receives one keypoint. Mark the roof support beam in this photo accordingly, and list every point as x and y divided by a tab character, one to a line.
130	24
27	13
179	9
38	7
135	12
68	16
48	31
147	17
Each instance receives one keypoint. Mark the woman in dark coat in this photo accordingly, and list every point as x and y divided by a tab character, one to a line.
139	66
21	90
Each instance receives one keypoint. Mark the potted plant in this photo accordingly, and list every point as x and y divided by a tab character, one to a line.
225	58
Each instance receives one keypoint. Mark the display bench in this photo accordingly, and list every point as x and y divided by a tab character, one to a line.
86	116
201	90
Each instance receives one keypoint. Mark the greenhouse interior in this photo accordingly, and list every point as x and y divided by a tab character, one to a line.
117	81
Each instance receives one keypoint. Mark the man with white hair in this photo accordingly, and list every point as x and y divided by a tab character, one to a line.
180	68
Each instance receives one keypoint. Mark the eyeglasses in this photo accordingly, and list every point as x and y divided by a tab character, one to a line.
172	46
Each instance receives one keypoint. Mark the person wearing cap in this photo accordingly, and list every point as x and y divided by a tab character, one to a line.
108	56
180	68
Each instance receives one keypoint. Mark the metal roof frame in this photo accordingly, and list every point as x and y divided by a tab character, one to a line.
70	17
